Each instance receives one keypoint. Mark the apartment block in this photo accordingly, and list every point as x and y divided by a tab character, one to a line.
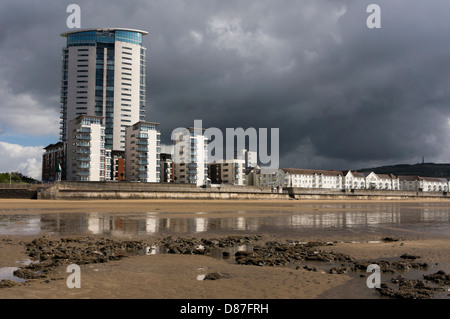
142	153
167	168
118	166
87	157
190	157
54	162
230	172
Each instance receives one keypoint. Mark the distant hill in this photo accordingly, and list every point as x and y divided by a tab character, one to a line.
16	178
424	170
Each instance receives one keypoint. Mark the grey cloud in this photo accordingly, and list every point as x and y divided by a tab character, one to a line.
341	94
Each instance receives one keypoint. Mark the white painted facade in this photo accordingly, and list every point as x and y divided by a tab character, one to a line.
382	181
354	180
251	159
190	157
87	157
142	153
430	184
304	178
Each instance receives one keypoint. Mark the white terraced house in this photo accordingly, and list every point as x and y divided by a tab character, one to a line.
424	184
433	184
306	178
354	180
382	181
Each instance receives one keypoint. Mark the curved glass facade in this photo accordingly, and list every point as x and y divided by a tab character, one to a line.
91	38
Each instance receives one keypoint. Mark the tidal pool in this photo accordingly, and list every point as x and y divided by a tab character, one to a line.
317	219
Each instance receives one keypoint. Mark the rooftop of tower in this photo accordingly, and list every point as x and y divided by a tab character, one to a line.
65	34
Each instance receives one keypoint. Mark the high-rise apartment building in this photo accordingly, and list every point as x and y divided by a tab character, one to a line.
103	74
190	157
142	154
87	157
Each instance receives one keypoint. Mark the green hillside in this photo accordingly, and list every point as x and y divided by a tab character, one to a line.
16	178
424	170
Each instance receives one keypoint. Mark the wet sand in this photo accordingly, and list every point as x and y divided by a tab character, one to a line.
166	276
187	206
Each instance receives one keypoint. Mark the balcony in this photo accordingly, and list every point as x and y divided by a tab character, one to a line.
142	149
83	144
83	173
84	130
84	165
192	165
83	137
142	135
142	142
84	158
143	162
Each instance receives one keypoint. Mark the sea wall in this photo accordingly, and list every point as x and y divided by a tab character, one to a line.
124	190
309	193
18	191
154	191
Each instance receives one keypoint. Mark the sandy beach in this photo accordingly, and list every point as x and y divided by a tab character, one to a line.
176	276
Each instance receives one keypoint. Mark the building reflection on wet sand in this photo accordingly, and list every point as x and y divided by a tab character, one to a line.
345	217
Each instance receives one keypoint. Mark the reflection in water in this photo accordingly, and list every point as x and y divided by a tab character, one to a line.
344	217
8	273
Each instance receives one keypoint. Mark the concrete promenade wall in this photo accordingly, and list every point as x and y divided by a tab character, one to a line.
309	193
124	190
153	191
18	191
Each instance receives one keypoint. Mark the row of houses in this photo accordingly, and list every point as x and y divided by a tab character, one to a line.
339	180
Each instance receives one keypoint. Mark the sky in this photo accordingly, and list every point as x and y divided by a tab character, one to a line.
342	95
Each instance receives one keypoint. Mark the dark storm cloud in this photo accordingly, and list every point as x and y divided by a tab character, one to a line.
342	95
